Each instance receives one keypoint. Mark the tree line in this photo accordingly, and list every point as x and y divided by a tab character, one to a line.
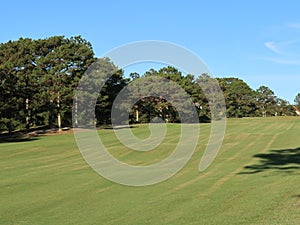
38	79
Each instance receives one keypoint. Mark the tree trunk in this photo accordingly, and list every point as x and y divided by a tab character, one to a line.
76	112
58	113
27	114
59	121
137	115
50	114
10	127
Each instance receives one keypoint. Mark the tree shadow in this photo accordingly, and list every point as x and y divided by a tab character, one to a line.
17	138
284	160
118	127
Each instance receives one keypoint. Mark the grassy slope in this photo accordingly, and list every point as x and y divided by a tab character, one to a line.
46	181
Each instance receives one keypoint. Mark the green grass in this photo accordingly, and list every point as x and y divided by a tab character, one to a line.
254	180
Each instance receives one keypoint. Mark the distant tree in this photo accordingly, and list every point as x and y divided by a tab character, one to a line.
10	103
19	82
284	108
135	114
180	87
28	80
266	100
64	62
108	93
297	100
211	93
239	97
37	78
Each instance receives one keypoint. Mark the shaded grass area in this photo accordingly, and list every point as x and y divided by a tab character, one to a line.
287	160
20	138
46	181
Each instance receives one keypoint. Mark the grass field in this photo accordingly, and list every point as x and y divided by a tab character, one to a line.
254	180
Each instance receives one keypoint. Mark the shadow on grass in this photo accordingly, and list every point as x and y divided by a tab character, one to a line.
118	127
285	160
16	138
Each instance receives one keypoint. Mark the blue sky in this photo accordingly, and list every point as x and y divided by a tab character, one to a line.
257	41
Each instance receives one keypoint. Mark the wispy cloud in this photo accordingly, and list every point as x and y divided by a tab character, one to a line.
284	52
272	46
280	47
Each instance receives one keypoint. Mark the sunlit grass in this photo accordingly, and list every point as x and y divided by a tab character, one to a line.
46	181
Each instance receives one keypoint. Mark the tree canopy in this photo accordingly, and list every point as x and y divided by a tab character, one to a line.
38	79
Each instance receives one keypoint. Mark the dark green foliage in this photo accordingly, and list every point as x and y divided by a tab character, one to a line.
266	101
297	100
62	66
107	96
38	79
169	86
240	98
